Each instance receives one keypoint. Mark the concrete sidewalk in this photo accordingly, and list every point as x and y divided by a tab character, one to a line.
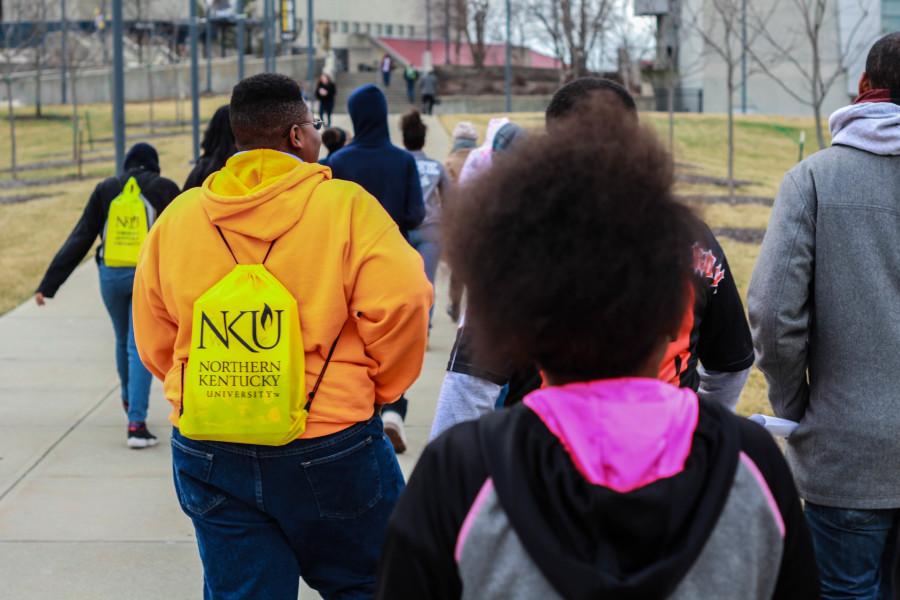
81	515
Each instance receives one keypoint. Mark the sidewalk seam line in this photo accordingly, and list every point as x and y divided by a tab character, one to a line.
53	446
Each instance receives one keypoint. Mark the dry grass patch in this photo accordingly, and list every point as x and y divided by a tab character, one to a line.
31	232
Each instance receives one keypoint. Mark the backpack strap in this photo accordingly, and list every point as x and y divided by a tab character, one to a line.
315	389
230	251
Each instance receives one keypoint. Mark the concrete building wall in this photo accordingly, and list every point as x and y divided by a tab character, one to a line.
849	29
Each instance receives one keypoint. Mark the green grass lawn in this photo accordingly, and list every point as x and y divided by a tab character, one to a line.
766	147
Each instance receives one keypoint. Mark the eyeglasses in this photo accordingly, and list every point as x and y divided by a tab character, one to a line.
316	123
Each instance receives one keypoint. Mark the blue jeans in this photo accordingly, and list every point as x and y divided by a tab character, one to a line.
134	378
855	550
266	516
411	91
427	241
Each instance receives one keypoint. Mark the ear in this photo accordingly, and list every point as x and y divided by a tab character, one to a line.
865	84
295	138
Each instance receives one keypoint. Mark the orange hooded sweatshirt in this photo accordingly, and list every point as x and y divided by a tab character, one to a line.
337	251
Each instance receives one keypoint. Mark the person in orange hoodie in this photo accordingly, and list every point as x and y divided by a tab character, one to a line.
273	223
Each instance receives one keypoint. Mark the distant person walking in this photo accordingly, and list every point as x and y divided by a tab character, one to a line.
426	238
387	65
333	138
217	145
429	92
465	139
410	76
390	174
326	92
823	306
282	308
120	211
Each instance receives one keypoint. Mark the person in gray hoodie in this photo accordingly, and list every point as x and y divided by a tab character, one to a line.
824	305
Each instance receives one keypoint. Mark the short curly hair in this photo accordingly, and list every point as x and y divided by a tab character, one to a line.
570	98
263	107
573	250
413	130
883	63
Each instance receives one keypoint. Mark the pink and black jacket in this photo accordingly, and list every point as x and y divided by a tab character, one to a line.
628	488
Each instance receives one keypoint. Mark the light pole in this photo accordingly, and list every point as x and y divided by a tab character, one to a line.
64	25
118	90
267	33
426	60
310	50
507	84
240	38
207	47
195	82
446	32
744	56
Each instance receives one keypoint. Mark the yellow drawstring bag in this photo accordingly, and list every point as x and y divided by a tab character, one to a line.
245	380
126	227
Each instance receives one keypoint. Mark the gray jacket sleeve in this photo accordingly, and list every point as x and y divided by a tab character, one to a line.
463	398
780	296
724	387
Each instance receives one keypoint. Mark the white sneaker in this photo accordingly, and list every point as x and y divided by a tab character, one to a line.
393	427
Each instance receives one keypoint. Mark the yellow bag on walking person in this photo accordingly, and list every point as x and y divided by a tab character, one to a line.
127	224
245	379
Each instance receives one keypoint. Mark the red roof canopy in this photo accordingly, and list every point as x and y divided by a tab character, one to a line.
413	51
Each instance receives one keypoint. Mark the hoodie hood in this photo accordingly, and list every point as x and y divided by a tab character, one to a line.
261	193
479	159
613	487
368	111
142	156
872	124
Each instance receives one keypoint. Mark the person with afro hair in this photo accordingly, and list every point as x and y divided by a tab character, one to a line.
607	482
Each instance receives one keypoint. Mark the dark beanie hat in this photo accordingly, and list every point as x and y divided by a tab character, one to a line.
506	136
142	156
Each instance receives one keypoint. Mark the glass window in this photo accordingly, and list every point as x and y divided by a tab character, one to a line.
356	28
412	31
368	28
345	27
890	15
389	29
379	29
401	30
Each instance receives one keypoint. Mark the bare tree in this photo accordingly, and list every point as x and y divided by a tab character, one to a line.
39	15
17	42
478	13
81	51
719	27
575	27
776	49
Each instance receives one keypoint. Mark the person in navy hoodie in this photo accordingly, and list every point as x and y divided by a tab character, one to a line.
390	174
607	482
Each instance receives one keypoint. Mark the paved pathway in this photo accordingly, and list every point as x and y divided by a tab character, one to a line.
81	515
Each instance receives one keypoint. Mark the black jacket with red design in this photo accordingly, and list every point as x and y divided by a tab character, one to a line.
714	331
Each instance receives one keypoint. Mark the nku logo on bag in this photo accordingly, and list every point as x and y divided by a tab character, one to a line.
253	331
245	327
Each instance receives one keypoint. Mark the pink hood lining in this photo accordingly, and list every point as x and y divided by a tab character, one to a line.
622	434
481	158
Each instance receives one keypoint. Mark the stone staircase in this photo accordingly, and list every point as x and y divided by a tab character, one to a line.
396	94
